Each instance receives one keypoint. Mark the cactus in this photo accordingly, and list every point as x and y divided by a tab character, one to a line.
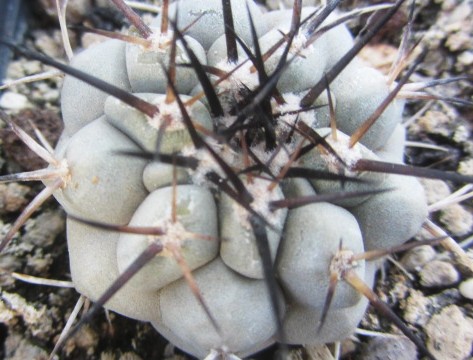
221	176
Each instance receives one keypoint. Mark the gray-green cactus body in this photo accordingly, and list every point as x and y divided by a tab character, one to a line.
351	112
94	268
82	103
145	66
301	323
238	303
156	210
239	249
387	226
206	18
144	130
312	236
209	228
323	160
96	172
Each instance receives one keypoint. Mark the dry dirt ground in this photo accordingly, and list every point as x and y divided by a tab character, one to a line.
433	294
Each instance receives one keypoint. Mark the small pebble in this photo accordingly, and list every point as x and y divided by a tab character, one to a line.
435	190
107	356
12	197
129	356
466	288
417	257
458	41
17	348
43	230
456	219
13	101
416	308
450	334
47	44
445	298
389	348
438	274
461	134
38	264
466	167
464	59
89	40
30	68
434	122
86	338
380	56
76	10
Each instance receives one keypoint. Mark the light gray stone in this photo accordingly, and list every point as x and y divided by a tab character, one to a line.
438	274
466	288
389	348
450	334
417	257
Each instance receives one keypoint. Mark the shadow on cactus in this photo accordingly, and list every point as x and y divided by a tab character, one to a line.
227	174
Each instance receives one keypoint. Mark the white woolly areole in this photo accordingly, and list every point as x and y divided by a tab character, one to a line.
207	162
159	42
341	146
174	237
275	159
262	197
226	121
290	111
168	113
242	76
62	170
299	46
341	262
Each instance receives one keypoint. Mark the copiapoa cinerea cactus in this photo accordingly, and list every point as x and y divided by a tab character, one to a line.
227	174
